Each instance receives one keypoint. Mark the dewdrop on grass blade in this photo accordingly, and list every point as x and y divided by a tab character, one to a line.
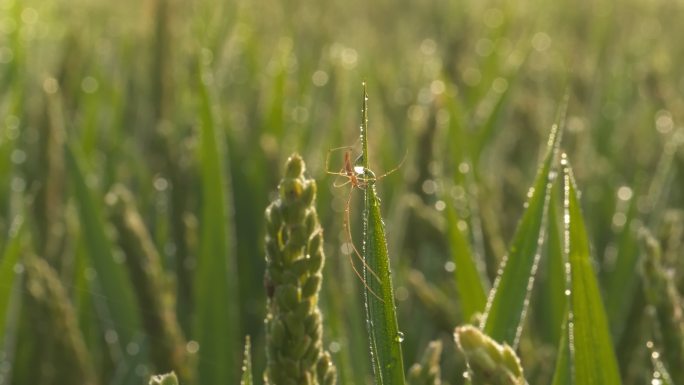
358	177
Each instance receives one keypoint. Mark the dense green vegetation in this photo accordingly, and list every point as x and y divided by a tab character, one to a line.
141	143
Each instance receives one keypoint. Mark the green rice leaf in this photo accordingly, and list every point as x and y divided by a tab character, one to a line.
508	299
11	297
561	375
113	287
468	281
592	354
216	296
247	364
552	293
381	317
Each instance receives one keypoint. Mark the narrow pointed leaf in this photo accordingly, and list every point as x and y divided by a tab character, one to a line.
592	353
561	375
381	317
247	364
508	299
113	291
8	260
552	289
216	324
11	298
468	281
621	282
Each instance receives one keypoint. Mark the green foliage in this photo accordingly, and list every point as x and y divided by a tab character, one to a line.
194	106
385	338
592	354
246	378
468	279
216	298
507	305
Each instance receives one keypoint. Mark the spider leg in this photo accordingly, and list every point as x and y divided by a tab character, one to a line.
397	167
327	158
343	184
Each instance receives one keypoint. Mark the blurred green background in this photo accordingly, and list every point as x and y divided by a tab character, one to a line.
195	105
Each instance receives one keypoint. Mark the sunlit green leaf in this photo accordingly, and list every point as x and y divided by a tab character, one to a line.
216	325
468	280
113	289
592	354
381	317
507	303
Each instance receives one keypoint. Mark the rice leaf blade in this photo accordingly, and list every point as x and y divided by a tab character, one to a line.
506	306
468	281
561	375
246	378
113	290
381	317
592	354
216	325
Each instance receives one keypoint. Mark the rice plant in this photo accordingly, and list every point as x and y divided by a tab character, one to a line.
532	234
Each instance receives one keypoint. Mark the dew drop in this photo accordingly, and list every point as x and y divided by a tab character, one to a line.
132	348
160	183
18	268
624	193
399	337
111	336
192	347
141	370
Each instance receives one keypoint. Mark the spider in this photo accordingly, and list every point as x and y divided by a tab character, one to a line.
359	177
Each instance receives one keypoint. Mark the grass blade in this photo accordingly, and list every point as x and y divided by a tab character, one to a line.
468	282
508	299
113	290
381	317
10	256
552	287
561	375
11	298
591	350
247	364
216	297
